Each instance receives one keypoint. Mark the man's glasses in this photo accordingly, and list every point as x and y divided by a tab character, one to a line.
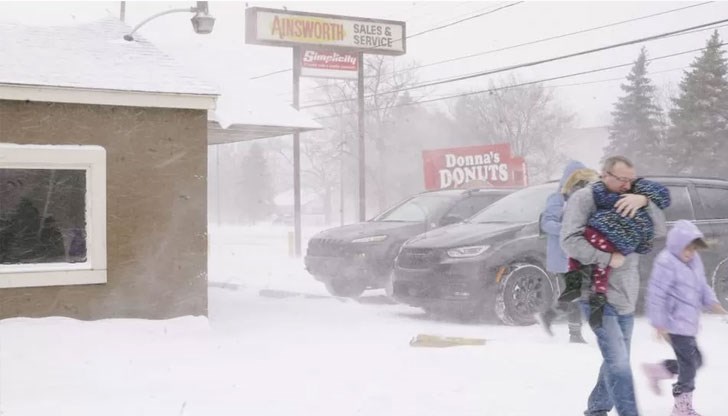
622	179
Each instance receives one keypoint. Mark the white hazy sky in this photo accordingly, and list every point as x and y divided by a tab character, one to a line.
225	59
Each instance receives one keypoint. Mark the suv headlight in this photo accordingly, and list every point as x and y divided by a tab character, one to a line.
469	251
372	239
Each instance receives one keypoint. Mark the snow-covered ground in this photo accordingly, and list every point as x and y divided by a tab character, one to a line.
257	257
268	354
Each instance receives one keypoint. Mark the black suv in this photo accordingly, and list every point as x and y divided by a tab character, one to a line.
494	262
353	258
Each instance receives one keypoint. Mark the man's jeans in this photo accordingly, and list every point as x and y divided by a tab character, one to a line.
615	387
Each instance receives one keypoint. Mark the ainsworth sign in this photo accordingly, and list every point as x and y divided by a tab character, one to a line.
286	28
486	166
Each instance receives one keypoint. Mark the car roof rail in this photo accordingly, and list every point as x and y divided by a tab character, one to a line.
469	191
689	178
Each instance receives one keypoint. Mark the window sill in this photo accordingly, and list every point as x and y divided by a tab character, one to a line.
52	278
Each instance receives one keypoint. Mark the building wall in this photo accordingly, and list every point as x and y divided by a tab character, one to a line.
156	209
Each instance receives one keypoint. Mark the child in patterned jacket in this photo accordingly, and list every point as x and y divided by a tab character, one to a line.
609	231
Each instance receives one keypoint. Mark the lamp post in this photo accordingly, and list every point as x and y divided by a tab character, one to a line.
202	21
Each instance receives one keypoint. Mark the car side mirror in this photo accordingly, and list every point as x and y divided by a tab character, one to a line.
451	219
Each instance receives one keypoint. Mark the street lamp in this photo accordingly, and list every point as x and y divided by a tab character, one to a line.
202	21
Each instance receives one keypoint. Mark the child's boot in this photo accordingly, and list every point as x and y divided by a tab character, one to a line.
684	405
573	279
576	338
655	373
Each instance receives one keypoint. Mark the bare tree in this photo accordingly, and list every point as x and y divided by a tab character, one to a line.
527	117
383	84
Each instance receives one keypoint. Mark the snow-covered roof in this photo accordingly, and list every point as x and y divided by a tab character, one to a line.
247	113
251	106
94	57
91	63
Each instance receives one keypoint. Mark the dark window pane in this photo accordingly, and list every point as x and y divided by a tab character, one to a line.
472	205
715	202
418	208
522	206
681	208
42	216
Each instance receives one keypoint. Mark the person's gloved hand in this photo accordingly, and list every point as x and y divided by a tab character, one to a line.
597	302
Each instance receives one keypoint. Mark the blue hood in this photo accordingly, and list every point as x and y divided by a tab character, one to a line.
681	235
570	168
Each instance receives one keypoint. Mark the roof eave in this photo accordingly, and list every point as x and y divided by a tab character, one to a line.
247	132
73	95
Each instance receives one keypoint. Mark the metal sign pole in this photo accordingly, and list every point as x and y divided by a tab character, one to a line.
362	147
297	153
275	27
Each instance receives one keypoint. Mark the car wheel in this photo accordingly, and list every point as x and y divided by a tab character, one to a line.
345	288
720	283
524	291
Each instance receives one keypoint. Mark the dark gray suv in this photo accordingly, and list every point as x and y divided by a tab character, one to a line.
353	258
493	264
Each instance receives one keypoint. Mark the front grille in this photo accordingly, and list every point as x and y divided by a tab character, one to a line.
418	258
329	247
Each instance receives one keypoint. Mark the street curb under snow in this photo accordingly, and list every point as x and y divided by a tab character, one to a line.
283	294
271	293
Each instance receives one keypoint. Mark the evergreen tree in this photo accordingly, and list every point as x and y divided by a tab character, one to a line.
635	131
698	139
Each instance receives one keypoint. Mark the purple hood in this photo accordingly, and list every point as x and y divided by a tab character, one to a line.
684	233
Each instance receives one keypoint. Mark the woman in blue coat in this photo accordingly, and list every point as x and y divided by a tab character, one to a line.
576	175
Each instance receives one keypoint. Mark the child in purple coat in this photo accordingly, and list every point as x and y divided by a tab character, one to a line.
677	294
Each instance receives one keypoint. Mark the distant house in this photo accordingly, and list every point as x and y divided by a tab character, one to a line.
103	175
312	208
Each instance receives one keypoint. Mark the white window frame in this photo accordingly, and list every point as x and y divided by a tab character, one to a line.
92	159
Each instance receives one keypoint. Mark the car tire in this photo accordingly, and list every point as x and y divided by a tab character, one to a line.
525	290
720	283
345	288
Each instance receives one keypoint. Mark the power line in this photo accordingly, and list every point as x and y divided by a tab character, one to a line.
576	84
449	6
489	90
271	73
534	42
529	64
539	40
547	39
427	12
472	73
321	86
452	24
464	20
410	36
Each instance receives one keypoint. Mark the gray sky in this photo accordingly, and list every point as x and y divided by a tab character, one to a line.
224	58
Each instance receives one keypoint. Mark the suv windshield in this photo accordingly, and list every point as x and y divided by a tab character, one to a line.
519	207
419	208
